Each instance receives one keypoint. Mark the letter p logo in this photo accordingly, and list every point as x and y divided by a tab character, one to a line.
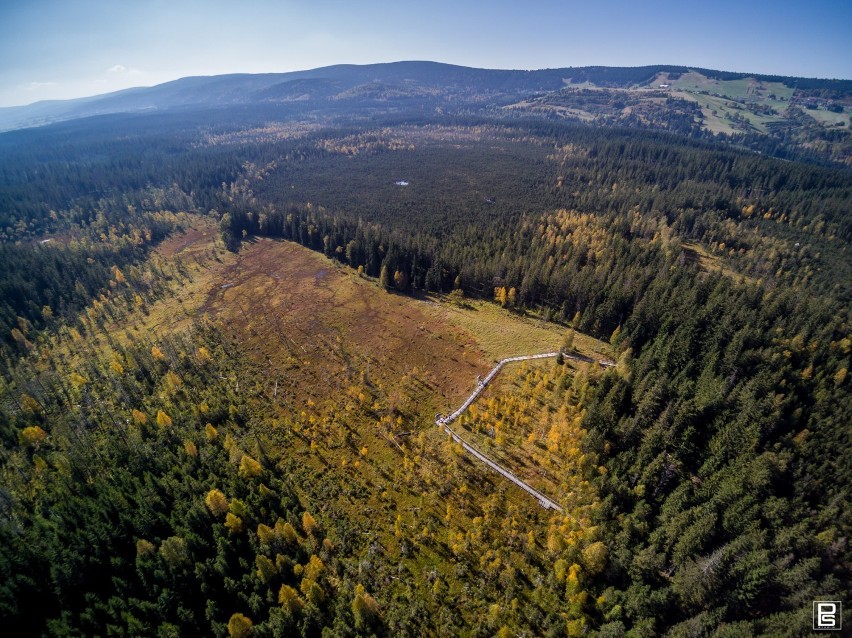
828	615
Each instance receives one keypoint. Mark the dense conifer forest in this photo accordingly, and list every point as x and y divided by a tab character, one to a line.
144	491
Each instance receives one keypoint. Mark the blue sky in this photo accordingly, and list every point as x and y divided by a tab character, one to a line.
55	49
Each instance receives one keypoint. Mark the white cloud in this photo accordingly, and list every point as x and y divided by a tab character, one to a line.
35	86
120	69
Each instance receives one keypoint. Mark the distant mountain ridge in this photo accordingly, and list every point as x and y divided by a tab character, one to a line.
394	80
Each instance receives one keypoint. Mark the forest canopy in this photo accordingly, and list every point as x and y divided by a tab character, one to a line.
153	484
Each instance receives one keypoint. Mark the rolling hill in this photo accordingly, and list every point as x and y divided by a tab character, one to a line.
449	83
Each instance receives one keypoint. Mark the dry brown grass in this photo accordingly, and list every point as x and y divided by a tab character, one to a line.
502	333
321	328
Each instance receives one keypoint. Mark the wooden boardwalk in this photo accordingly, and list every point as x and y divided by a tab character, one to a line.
445	421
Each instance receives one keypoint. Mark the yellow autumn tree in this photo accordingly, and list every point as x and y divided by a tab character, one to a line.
568	341
286	531
572	581
163	419
139	417
400	280
238	507
32	436
576	628
266	535
78	380
309	523
500	295
313	591
233	523
249	467
594	558
265	568
216	502
315	567
173	381
364	607
494	612
560	570
240	626
289	599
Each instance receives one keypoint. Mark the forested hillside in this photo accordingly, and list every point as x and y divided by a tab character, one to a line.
804	119
197	438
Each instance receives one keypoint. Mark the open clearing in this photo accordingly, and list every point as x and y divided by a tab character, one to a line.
318	326
711	263
501	333
311	320
320	330
320	334
830	118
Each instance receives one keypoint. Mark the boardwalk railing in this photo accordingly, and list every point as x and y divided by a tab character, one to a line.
445	421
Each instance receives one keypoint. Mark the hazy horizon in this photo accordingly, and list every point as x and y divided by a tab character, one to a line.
59	51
